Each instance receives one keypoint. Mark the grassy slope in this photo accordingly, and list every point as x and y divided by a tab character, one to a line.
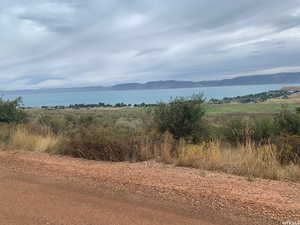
271	106
247	108
267	108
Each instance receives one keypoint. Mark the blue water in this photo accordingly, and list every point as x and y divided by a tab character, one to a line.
137	96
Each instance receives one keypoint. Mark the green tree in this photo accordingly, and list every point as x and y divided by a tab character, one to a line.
11	112
182	117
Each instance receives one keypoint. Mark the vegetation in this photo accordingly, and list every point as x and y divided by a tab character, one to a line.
288	122
239	108
181	117
181	133
255	98
10	111
248	160
99	105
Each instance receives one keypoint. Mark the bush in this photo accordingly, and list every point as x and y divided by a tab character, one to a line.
99	143
10	111
56	123
288	122
182	117
237	130
289	149
264	130
242	130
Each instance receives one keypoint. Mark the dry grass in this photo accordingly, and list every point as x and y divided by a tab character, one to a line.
292	172
249	160
23	139
167	149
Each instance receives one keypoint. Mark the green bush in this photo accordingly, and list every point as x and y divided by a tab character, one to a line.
237	130
264	130
181	117
245	129
58	124
11	112
288	122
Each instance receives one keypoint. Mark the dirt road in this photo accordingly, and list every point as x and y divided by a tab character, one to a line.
36	200
38	189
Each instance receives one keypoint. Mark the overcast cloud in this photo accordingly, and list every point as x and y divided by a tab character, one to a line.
67	43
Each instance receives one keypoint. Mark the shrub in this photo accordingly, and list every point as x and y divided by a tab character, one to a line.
257	130
288	122
55	122
263	130
181	117
288	149
10	111
237	130
99	143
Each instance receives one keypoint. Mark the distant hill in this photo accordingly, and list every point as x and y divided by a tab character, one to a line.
280	78
291	88
156	85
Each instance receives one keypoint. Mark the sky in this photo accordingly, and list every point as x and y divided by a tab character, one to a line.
73	43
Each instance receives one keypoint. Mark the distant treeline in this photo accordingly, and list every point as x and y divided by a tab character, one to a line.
100	104
255	98
252	98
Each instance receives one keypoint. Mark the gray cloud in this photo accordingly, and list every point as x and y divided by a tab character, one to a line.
77	43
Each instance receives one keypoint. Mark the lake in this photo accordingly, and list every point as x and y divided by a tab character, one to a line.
137	96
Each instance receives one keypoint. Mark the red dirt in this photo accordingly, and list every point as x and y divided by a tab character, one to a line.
37	188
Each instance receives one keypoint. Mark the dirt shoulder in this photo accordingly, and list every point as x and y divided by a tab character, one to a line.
192	195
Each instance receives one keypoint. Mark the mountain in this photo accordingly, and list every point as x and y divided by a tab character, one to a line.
280	78
156	85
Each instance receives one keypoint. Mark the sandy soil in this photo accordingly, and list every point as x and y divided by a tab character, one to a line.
37	188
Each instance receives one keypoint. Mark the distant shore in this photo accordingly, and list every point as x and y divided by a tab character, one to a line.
264	79
291	88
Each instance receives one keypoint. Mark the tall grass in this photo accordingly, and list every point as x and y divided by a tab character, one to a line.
247	160
23	139
166	149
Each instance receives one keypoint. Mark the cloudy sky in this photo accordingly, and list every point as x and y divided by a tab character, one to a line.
67	43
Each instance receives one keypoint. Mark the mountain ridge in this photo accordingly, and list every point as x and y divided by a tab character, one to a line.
279	78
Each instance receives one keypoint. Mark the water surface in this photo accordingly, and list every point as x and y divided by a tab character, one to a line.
137	96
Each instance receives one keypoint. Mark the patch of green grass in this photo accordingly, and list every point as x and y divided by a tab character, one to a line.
247	108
